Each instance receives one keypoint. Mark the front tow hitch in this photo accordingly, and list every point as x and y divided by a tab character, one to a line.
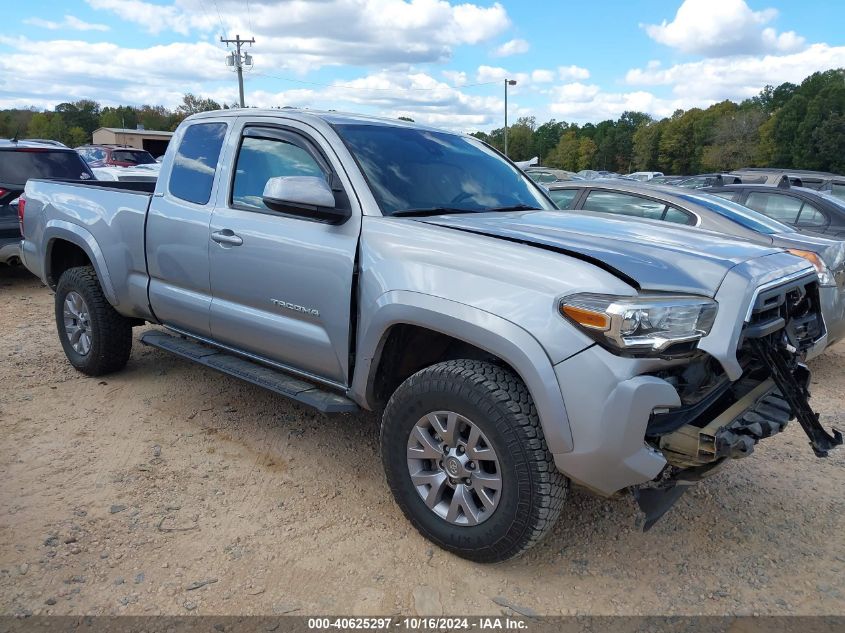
792	378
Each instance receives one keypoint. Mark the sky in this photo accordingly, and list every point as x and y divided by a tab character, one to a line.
441	62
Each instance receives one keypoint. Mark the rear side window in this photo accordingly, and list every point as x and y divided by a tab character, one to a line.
195	163
624	204
17	166
563	197
780	207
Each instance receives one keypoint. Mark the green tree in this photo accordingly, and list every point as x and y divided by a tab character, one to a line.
587	149
191	104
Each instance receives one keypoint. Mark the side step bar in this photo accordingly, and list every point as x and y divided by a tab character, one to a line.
273	379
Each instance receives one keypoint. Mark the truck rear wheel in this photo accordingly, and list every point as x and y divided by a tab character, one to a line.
96	339
467	462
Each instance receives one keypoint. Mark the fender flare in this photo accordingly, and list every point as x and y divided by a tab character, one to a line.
489	332
63	230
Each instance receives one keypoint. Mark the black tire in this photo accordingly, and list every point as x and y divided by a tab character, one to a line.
110	332
496	401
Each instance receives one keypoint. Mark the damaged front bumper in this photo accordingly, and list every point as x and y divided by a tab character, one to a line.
773	348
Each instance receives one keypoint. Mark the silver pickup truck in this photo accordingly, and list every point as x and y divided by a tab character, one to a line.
349	262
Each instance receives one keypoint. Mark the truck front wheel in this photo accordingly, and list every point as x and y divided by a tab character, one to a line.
467	462
96	339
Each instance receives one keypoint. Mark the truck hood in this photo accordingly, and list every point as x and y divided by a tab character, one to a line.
646	255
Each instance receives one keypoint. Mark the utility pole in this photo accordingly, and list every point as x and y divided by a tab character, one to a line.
239	61
508	82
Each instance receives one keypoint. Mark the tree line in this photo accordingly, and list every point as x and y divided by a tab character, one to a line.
798	126
793	126
74	123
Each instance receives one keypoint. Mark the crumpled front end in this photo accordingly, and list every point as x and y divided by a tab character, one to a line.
656	425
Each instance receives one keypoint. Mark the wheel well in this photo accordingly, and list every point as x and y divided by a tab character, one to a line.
64	255
407	349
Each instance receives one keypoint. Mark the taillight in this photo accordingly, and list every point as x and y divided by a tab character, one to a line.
21	209
3	192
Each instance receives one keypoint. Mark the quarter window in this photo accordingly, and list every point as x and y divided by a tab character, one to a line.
195	163
261	159
810	216
778	206
563	197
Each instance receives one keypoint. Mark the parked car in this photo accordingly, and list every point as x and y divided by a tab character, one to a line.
803	208
114	156
590	174
819	180
19	161
705	211
544	175
700	181
352	262
666	180
645	175
43	141
141	173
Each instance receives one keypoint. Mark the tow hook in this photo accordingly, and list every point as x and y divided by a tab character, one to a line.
792	378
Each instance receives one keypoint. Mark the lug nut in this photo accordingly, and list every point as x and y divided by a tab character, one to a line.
471	466
460	450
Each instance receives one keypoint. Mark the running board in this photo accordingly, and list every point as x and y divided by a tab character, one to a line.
275	380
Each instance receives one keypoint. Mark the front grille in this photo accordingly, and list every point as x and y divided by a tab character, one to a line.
794	307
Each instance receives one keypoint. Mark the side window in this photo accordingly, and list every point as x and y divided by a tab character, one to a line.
563	197
192	175
624	204
810	216
780	207
260	159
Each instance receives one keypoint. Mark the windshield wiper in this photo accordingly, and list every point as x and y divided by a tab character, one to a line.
516	207
431	211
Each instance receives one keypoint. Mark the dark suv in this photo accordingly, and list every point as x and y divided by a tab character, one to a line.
114	156
804	208
20	161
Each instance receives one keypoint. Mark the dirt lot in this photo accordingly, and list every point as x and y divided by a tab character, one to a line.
171	489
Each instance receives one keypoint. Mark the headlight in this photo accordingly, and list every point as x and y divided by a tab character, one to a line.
825	276
645	324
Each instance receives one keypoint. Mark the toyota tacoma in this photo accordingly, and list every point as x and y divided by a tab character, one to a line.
511	350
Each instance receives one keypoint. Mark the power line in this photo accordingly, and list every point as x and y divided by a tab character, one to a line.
249	16
219	17
350	87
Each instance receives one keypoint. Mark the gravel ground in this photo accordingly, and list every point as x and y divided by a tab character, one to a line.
171	489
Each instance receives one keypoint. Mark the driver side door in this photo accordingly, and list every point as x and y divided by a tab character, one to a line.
281	285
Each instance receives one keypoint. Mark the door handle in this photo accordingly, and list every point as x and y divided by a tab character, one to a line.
227	237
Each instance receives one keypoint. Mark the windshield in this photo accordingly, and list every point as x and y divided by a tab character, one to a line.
743	216
139	158
19	165
413	169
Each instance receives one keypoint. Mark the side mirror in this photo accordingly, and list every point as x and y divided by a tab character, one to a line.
303	196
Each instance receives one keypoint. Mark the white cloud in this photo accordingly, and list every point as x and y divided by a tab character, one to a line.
721	29
541	76
737	77
512	47
304	35
568	73
70	22
456	77
66	70
580	102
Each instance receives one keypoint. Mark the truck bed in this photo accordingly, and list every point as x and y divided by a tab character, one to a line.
106	220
